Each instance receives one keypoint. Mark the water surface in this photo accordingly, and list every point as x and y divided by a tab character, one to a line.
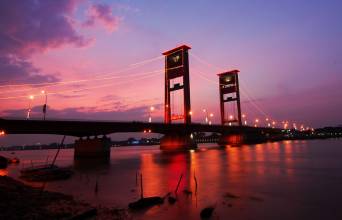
282	180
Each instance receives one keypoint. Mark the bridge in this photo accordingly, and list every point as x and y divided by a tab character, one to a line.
176	135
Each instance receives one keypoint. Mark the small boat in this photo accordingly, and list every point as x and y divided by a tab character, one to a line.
14	160
47	172
146	202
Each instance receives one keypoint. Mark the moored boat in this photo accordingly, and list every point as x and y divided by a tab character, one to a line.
46	172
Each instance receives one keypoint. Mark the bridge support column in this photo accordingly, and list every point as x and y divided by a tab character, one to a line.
92	148
242	138
232	139
175	141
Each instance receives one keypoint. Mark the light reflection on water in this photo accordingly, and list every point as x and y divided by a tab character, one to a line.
282	180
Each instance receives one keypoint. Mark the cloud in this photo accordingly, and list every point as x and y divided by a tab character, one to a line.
85	113
18	70
104	14
30	27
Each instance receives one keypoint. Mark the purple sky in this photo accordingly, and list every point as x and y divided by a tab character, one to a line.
289	54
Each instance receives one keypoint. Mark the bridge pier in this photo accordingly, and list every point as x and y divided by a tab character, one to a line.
237	139
97	148
176	141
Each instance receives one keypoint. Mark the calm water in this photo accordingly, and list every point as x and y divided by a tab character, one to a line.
285	180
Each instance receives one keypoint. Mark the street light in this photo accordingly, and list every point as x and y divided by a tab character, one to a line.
206	116
31	97
150	114
244	119
256	122
211	115
45	104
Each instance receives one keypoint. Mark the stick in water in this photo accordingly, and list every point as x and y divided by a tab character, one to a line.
60	146
141	187
195	183
180	179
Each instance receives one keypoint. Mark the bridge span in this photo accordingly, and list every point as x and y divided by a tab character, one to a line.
78	128
176	136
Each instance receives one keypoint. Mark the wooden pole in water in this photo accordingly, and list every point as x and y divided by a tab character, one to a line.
141	187
180	179
60	146
195	183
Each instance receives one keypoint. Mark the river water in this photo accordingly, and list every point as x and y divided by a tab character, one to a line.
281	180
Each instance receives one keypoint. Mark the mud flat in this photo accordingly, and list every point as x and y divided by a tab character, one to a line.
19	201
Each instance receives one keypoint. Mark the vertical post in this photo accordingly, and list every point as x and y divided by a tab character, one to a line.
167	109
186	80
221	104
238	100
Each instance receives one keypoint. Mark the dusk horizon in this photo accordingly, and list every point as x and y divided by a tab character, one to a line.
206	109
289	58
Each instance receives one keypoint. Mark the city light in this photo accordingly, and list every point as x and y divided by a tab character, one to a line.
231	117
45	104
256	122
206	115
2	133
190	113
150	114
28	114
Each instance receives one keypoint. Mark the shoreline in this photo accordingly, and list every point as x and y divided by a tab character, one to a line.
21	201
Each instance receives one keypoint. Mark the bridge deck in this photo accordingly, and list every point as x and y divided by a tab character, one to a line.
92	128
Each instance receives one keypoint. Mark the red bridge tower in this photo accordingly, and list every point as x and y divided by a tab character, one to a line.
177	68
229	92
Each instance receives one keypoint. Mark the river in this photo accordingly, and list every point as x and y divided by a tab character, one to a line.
280	180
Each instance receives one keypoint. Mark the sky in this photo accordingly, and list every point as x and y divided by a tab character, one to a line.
102	60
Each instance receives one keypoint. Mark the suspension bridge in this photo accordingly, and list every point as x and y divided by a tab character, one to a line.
234	127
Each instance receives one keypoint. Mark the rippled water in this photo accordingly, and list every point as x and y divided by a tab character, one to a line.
283	180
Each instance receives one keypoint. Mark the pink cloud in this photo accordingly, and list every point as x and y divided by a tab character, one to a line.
103	14
30	27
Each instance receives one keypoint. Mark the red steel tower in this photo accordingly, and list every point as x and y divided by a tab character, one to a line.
229	92
177	66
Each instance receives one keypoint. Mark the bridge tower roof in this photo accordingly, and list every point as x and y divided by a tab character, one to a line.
184	47
229	72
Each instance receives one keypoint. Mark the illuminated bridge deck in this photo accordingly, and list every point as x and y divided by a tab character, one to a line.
94	128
